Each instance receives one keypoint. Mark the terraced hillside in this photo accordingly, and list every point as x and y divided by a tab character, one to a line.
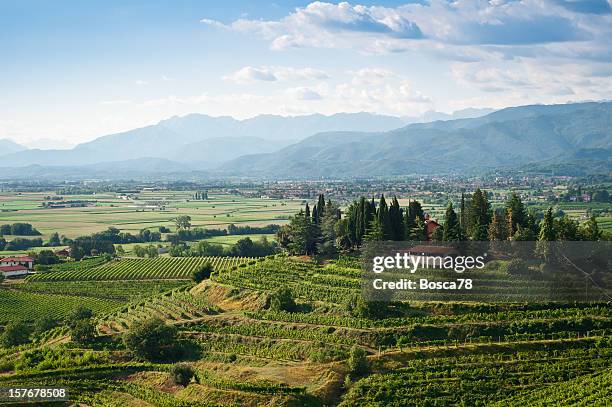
245	352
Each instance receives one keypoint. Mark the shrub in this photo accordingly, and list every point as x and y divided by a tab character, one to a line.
282	300
358	362
151	339
516	267
202	273
181	373
84	331
15	333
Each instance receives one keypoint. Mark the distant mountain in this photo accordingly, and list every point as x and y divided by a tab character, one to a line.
142	168
506	138
203	139
432	116
8	146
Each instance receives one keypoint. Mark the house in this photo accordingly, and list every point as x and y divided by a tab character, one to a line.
25	261
14	271
63	252
430	225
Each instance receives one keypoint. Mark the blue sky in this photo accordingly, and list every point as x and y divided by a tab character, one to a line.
75	70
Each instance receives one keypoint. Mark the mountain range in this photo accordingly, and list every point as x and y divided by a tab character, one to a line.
341	145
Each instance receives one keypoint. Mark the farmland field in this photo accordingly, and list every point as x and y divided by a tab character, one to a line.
141	211
141	269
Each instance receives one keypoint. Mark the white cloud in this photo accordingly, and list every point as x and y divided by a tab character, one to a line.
140	82
249	74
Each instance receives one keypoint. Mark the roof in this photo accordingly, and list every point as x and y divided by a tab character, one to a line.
13	268
20	258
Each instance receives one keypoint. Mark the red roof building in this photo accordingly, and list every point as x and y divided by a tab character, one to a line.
11	271
25	261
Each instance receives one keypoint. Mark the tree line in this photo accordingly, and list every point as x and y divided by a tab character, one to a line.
325	229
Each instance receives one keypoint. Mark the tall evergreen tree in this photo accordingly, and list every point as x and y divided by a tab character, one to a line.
397	220
480	216
320	207
315	215
547	228
452	229
497	228
307	212
516	208
413	212
383	218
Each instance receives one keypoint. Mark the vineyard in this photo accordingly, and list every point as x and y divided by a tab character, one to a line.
140	269
19	305
418	353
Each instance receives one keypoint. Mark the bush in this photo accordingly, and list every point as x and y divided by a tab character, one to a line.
282	300
358	362
181	373
43	324
516	267
78	314
16	333
84	331
151	339
202	273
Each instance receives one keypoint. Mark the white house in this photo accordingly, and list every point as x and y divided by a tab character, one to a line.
16	266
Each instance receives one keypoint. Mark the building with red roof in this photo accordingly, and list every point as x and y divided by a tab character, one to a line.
13	271
25	261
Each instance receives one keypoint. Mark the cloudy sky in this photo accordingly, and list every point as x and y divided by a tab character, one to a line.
74	70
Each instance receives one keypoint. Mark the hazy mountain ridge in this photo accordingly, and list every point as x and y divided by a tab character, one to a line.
507	138
8	146
184	139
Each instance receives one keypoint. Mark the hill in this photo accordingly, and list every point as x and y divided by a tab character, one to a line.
508	138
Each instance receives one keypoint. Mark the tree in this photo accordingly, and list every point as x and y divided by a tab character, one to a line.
396	218
547	229
202	273
566	229
54	240
15	333
139	251
497	229
43	324
516	267
183	222
152	251
181	373
547	235
84	331
282	300
383	218
452	229
590	230
358	362
78	314
480	216
517	214
151	339
46	257
299	236
120	250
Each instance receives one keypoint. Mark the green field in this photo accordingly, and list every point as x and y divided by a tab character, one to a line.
132	215
167	268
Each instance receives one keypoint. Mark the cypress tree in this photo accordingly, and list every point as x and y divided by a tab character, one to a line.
452	231
315	215
497	228
547	229
383	218
320	207
397	220
480	216
519	217
307	212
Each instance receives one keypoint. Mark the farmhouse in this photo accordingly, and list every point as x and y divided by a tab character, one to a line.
431	225
16	266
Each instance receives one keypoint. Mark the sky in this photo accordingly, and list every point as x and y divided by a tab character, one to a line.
71	71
